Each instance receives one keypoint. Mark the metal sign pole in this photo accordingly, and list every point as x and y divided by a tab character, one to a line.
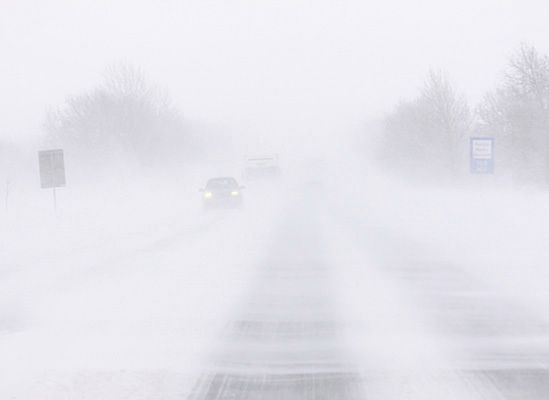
54	200
7	194
52	171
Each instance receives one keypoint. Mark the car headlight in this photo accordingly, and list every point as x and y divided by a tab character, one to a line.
208	195
235	193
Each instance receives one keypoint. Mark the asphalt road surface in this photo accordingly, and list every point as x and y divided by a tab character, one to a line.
340	309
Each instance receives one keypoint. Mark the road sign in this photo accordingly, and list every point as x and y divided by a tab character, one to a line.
52	168
482	155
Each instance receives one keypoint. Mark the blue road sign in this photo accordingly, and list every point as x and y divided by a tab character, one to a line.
482	155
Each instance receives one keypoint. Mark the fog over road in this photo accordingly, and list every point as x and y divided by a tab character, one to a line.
274	200
340	308
314	290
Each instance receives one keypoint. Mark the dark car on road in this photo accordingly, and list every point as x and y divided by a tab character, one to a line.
224	192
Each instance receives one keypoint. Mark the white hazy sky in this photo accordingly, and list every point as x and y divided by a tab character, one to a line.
264	65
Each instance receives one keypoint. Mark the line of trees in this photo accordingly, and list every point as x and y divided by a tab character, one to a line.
123	116
430	134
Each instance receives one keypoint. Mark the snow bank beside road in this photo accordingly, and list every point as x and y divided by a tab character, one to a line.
497	235
129	284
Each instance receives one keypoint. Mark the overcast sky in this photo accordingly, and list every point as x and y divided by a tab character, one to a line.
265	65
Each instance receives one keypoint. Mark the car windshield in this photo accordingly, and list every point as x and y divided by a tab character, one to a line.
221	184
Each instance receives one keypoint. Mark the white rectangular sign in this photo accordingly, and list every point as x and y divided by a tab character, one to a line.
482	155
482	149
52	168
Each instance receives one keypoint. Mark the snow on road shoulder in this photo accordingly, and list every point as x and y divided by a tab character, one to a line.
497	235
493	232
133	294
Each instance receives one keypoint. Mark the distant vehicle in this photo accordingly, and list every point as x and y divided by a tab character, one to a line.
224	192
261	168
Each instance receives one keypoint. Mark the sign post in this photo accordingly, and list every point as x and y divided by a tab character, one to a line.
52	171
482	155
7	194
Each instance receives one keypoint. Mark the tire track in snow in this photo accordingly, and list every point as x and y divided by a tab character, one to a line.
491	346
285	341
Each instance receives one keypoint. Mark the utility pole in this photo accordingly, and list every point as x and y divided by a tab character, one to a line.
7	195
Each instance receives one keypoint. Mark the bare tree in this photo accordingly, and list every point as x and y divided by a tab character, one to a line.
518	113
124	113
447	114
429	131
528	76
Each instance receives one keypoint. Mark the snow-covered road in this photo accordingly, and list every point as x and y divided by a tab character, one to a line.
315	295
353	310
